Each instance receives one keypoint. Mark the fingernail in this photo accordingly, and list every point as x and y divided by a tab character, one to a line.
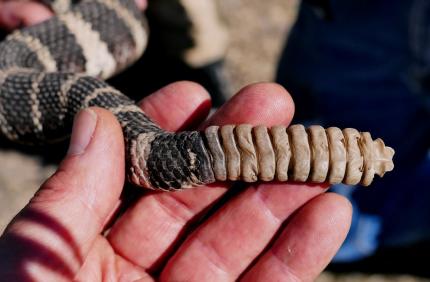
83	129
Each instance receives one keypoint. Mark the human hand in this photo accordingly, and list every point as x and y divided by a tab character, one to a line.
16	13
267	232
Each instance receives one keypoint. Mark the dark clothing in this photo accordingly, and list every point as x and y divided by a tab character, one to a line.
367	66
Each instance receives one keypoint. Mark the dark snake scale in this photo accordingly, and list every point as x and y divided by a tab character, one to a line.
51	71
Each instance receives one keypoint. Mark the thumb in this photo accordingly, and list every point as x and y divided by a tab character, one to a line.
55	231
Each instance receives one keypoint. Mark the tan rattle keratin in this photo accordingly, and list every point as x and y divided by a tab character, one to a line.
314	154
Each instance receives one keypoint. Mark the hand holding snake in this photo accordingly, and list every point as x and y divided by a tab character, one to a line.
58	236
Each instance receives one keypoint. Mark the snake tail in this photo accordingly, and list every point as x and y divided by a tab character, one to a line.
246	153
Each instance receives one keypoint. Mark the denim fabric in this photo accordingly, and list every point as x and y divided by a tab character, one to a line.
367	66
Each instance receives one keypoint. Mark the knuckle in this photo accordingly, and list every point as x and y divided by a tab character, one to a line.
56	189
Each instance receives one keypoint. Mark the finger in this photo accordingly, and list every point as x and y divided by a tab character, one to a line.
307	244
232	238
57	228
14	14
261	103
178	105
148	232
142	4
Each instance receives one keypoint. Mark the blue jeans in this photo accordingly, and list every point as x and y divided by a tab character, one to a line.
368	67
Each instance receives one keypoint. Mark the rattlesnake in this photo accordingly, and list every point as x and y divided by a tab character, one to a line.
50	71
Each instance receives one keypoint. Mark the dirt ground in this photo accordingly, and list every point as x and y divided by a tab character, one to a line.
257	33
257	30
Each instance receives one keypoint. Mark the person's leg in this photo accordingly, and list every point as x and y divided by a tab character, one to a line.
352	69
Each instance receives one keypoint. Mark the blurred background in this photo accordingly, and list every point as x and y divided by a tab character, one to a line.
341	55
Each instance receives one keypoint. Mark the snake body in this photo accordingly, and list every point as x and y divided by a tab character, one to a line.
51	71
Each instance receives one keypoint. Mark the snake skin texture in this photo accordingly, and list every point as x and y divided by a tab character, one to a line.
51	71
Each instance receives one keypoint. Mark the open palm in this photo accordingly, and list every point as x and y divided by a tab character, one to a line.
265	232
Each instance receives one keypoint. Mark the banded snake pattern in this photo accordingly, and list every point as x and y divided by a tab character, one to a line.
51	71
